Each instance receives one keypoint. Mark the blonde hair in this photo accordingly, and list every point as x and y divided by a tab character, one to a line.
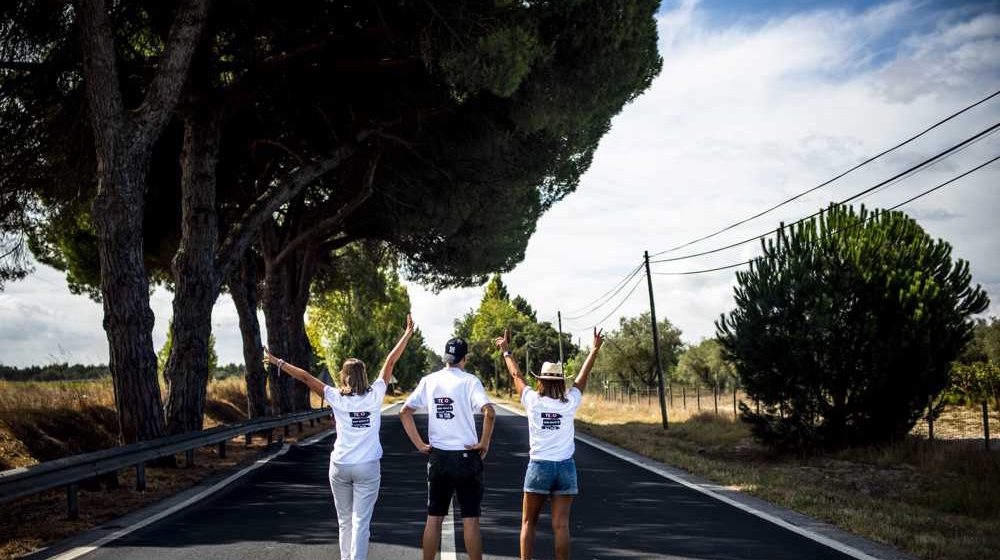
353	378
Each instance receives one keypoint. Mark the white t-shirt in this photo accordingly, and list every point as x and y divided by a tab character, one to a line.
359	418
452	398
550	424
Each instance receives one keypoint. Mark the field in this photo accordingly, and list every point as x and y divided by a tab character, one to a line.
46	420
934	500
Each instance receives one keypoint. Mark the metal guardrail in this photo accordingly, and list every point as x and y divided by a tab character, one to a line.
68	472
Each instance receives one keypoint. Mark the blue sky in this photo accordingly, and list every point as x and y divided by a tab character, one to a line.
756	101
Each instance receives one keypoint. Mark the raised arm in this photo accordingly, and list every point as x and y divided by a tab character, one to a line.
397	351
300	374
503	343
588	364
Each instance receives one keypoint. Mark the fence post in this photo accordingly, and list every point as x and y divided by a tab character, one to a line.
986	424
670	389
684	396
140	477
189	458
222	449
734	400
697	392
715	397
930	428
72	503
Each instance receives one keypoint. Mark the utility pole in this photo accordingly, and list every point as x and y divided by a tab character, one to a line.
656	341
559	315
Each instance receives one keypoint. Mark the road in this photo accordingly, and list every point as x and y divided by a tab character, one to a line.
284	511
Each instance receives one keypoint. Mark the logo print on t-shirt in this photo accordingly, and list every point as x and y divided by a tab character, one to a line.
445	408
551	421
361	419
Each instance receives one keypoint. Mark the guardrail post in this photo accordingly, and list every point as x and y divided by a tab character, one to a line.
189	458
222	449
247	439
285	429
140	476
270	436
311	420
72	504
300	428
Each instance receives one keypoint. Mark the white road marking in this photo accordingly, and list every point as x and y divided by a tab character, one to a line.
812	535
79	551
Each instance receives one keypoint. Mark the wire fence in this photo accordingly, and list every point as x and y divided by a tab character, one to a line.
972	424
691	398
975	424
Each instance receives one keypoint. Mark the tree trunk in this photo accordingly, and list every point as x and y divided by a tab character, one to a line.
128	319
196	280
276	306
124	142
243	288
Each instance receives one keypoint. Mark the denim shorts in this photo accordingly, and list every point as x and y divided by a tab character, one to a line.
551	477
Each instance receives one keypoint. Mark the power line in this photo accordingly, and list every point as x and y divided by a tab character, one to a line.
622	302
615	290
893	179
825	183
901	204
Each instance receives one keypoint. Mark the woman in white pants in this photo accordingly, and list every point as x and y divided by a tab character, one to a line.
355	469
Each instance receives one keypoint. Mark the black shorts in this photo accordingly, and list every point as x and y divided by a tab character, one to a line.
450	473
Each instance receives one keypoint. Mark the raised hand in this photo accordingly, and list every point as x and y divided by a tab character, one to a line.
503	342
269	357
598	339
409	324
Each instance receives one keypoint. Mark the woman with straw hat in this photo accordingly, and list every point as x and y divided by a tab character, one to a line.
551	470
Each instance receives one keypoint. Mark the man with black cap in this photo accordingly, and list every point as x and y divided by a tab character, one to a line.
455	463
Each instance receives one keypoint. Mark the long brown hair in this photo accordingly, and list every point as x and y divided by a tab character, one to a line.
553	389
354	378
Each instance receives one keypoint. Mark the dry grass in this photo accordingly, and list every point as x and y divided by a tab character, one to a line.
44	421
934	500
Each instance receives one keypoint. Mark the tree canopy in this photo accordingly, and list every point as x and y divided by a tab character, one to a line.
846	328
628	357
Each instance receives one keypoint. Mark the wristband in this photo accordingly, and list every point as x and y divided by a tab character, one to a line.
507	354
280	363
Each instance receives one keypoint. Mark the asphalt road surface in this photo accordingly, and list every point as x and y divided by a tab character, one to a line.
284	511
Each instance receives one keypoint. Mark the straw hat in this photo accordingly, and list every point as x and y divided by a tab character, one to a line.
552	371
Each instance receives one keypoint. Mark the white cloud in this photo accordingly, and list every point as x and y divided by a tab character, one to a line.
743	115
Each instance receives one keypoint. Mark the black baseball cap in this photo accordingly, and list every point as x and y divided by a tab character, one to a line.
455	349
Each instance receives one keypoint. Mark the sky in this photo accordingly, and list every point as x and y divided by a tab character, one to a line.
757	101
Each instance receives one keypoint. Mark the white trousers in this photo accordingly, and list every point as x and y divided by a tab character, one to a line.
355	490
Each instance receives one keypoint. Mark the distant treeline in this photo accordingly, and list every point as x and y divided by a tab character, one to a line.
53	372
76	372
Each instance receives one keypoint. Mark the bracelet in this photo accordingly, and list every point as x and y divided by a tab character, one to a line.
507	353
280	363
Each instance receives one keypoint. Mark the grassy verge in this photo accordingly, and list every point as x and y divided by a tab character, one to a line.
48	420
934	500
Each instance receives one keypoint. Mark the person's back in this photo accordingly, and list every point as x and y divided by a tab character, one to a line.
359	418
451	397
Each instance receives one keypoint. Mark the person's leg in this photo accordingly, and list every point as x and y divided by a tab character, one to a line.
432	536
343	500
473	538
530	509
440	489
469	490
560	525
367	478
